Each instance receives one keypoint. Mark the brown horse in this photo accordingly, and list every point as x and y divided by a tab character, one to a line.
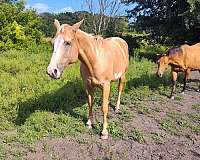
102	61
181	59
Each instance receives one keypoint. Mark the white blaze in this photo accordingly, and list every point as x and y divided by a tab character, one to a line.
56	56
56	51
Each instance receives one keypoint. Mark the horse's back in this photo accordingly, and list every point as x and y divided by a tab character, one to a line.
117	47
119	53
192	56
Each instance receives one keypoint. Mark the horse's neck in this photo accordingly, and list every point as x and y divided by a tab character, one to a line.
86	48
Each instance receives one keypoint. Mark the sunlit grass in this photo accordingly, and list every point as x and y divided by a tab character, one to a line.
35	106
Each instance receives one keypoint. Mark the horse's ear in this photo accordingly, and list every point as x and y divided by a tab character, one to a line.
77	25
56	24
157	57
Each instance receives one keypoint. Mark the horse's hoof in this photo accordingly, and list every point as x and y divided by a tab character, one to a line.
117	110
89	124
172	98
104	136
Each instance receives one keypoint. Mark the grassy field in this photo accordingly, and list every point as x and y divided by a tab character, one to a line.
34	106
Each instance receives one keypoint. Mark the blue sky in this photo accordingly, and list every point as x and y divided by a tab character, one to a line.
58	6
55	5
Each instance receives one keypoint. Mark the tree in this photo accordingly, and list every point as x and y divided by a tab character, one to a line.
169	21
103	14
192	20
121	23
8	1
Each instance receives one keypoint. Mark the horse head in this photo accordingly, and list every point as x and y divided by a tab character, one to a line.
65	49
162	62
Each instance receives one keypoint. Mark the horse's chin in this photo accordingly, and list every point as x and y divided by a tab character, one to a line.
56	78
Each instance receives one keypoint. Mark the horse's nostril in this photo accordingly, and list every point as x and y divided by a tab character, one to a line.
55	71
159	74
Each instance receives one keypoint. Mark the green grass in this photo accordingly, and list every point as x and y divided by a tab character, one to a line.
115	130
33	106
143	109
168	125
137	135
195	117
196	107
157	138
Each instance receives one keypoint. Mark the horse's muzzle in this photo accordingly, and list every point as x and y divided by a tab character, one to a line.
53	73
159	74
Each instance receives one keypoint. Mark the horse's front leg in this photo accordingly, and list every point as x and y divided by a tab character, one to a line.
174	78
106	92
120	88
89	92
198	90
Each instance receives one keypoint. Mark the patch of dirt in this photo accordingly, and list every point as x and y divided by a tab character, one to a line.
114	149
181	144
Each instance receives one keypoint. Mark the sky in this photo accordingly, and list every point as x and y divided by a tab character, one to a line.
57	6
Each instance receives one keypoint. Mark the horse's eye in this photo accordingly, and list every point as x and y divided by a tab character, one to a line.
67	43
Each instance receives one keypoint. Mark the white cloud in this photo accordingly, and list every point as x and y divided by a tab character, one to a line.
68	9
62	10
41	7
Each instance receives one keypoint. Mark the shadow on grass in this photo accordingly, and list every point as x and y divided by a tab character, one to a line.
153	82
195	87
65	99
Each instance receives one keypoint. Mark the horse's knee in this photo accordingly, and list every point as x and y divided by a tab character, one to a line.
104	109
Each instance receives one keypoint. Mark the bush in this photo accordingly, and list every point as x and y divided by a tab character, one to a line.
149	50
19	28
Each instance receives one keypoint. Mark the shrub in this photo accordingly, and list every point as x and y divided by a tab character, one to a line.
149	49
19	28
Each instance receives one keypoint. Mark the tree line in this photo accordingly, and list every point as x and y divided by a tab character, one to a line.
169	22
115	25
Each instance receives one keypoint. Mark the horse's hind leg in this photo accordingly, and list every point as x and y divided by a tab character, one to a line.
120	88
186	76
198	90
89	88
89	92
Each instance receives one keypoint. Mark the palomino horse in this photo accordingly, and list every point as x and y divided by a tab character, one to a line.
181	59
102	61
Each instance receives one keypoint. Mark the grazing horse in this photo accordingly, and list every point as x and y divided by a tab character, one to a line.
181	59
102	61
